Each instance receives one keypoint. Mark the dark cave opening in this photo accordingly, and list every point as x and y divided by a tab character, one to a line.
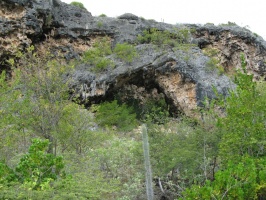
140	91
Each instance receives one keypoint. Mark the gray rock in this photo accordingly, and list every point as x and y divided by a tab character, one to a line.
180	75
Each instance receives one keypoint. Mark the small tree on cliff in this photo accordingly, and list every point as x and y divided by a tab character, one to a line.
78	4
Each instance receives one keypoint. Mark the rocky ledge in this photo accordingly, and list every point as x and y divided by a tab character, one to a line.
179	75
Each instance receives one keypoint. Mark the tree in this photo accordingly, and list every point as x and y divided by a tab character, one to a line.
78	4
36	170
236	181
242	155
43	82
243	128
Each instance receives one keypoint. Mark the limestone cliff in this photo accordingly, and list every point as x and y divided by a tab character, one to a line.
181	76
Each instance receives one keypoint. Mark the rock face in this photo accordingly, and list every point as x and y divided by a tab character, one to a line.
230	41
181	76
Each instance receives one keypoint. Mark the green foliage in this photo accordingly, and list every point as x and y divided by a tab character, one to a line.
88	180
111	114
38	168
229	24
42	108
256	34
35	103
78	134
7	175
166	39
174	149
211	52
96	56
125	52
244	126
237	181
151	108
119	159
242	145
102	15
8	103
214	64
77	4
218	156
155	111
209	23
183	153
100	24
142	18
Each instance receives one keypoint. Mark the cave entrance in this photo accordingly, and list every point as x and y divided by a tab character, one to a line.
141	91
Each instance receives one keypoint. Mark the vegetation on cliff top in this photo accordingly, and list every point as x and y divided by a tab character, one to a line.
78	4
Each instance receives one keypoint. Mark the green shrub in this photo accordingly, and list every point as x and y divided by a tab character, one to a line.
214	64
237	181
165	39
142	18
209	23
102	15
154	36
100	24
77	4
155	111
125	52
96	56
229	24
256	35
36	169
211	52
111	114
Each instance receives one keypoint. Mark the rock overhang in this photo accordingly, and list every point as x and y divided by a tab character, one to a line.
180	75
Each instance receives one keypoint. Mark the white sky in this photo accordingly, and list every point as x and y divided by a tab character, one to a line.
243	12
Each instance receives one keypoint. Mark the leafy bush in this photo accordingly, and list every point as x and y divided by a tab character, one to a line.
125	52
237	181
96	56
214	64
112	114
37	169
244	126
121	160
99	24
165	38
155	111
229	24
78	4
242	145
211	52
102	15
209	23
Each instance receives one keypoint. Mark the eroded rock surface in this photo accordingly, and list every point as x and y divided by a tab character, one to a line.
181	76
230	41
